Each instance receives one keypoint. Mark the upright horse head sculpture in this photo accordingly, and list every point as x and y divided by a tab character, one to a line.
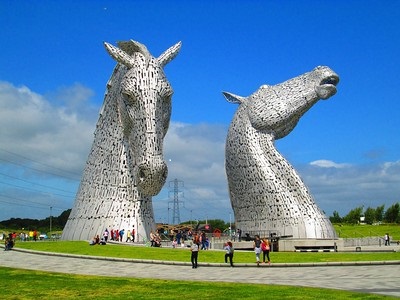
266	192
126	165
145	105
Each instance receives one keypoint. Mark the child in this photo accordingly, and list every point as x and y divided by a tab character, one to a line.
229	252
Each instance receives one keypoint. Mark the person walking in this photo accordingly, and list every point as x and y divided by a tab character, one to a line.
387	242
105	235
121	235
265	248
257	248
229	252
194	248
133	235
128	236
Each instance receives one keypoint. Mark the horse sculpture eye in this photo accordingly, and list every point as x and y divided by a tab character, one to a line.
130	98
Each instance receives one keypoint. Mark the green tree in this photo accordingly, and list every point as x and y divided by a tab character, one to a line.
353	217
214	224
63	218
370	214
392	214
335	218
379	213
217	223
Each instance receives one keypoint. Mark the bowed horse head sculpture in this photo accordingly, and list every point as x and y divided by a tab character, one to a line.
278	108
146	102
266	192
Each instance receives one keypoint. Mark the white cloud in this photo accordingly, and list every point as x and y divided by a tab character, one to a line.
344	188
323	163
197	160
41	137
56	130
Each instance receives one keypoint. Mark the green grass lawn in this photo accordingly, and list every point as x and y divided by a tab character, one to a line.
211	256
361	231
25	284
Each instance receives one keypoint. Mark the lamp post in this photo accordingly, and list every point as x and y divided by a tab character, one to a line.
230	225
51	208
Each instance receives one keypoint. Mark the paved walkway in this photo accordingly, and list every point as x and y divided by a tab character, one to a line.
370	277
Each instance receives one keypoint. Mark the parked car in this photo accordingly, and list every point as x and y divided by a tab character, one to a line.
43	236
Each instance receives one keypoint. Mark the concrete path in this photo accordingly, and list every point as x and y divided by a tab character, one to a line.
373	277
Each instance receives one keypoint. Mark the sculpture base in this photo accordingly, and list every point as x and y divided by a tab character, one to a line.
311	245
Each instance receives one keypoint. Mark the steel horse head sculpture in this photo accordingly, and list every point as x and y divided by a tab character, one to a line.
125	167
266	192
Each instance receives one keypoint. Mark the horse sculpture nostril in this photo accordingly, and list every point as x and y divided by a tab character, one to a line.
142	175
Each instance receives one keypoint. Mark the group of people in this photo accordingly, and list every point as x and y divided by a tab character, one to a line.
32	235
10	239
259	246
98	241
237	234
199	242
113	235
155	239
264	246
118	235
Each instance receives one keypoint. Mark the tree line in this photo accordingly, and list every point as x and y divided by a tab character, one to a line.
369	215
43	225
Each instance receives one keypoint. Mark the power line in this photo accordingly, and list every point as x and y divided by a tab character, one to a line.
30	189
34	183
37	170
40	163
42	189
42	205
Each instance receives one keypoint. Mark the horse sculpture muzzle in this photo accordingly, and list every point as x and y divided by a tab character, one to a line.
327	87
152	176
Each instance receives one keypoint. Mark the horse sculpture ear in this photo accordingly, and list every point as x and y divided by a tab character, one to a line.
120	56
232	98
169	54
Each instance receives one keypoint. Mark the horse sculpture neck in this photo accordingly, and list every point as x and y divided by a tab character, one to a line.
267	194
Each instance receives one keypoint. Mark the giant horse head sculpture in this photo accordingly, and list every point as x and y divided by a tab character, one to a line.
125	167
267	195
146	107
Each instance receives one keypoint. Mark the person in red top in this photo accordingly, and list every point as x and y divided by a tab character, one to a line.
265	247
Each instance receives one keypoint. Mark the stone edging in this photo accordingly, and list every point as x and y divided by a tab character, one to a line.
175	263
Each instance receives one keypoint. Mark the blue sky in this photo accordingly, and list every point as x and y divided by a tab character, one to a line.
54	68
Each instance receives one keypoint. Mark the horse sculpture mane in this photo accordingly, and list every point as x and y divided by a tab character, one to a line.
267	195
125	167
